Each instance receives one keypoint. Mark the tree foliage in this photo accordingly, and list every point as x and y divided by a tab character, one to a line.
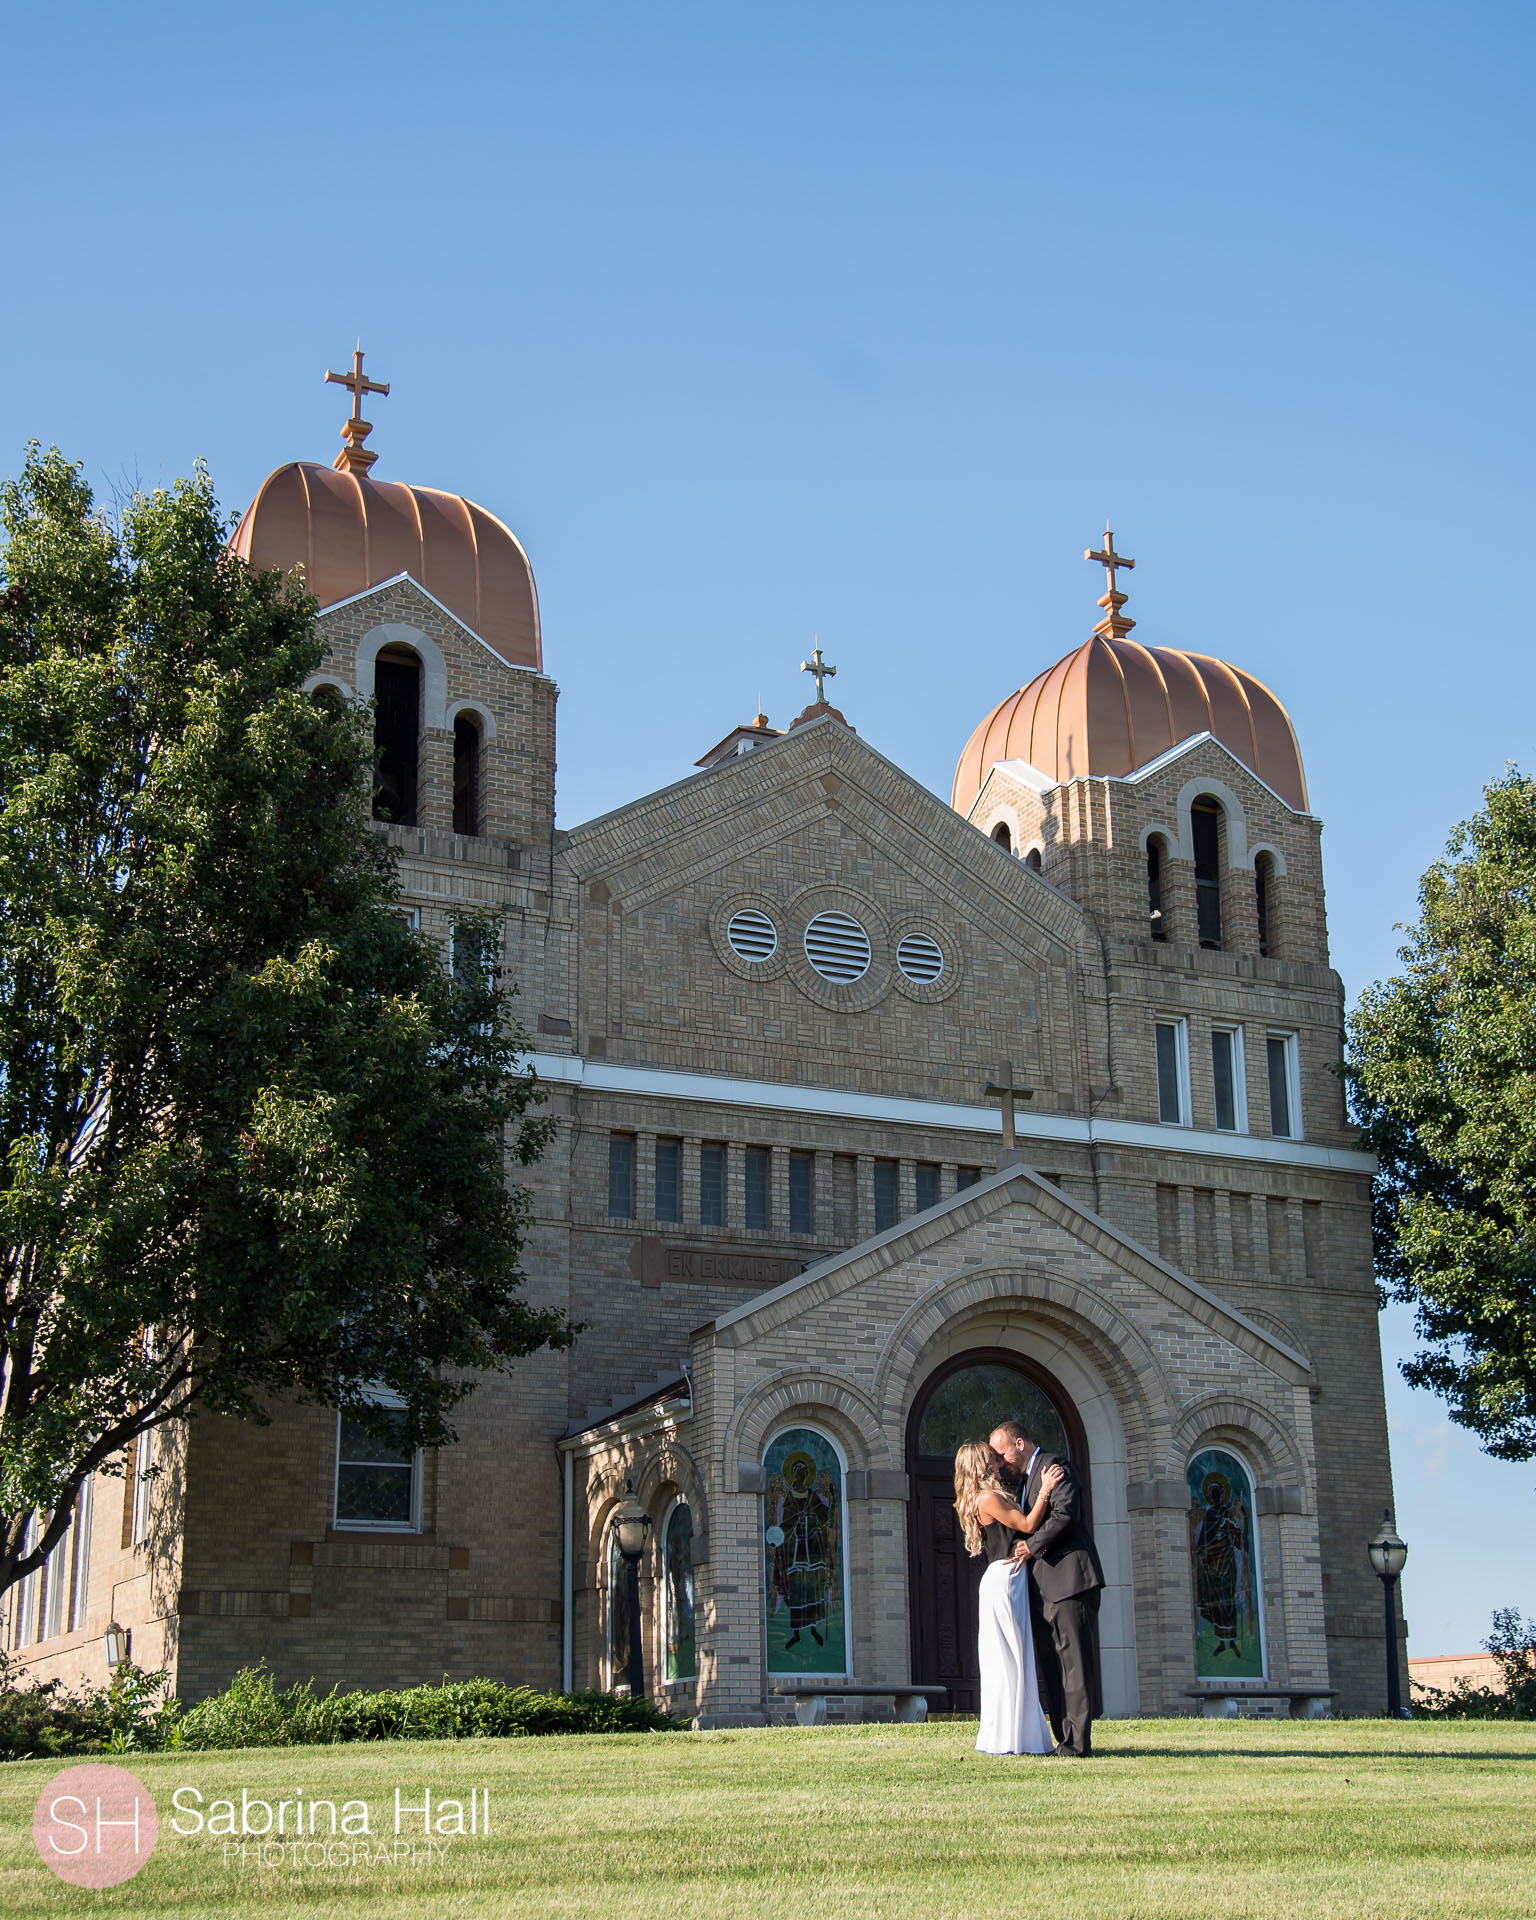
253	1135
1442	1072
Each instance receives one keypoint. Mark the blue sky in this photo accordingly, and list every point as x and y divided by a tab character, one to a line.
759	323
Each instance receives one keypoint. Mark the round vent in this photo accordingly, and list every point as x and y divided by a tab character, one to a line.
920	959
837	947
752	935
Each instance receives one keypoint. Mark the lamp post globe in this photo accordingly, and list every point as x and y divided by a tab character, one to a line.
1388	1552
632	1527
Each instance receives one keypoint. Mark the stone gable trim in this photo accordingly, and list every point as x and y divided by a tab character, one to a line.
410	580
669	1083
975	1203
652	824
1029	775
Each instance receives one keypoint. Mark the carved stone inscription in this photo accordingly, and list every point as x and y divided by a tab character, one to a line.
653	1260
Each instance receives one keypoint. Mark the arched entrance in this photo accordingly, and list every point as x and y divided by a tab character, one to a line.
964	1399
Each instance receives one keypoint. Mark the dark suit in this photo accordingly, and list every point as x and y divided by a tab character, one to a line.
1066	1580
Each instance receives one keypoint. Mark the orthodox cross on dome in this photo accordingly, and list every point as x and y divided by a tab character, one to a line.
1003	1088
354	456
819	671
1114	625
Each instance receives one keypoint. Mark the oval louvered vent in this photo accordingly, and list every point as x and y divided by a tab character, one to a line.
920	958
752	935
837	947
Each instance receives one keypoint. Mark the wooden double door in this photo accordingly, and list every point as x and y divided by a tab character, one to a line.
964	1400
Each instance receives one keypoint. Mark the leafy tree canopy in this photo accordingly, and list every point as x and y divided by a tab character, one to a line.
1443	1077
253	1135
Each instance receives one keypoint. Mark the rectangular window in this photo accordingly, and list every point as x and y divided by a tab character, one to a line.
621	1176
1173	1072
757	1187
143	1466
669	1156
927	1185
82	1581
1284	1103
25	1630
472	952
1227	1075
711	1186
966	1177
802	1171
378	1478
55	1568
885	1194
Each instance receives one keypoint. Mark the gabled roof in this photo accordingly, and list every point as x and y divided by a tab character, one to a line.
840	1271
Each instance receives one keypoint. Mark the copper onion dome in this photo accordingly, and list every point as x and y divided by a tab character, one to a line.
1114	705
350	533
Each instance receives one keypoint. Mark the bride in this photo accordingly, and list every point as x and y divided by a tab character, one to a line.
991	1520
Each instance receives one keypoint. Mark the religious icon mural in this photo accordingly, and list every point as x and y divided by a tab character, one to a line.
803	1555
682	1658
618	1614
1229	1639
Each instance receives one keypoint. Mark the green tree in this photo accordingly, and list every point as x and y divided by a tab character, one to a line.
254	1137
1442	1072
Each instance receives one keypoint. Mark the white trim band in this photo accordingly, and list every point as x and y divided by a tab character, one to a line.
602	1076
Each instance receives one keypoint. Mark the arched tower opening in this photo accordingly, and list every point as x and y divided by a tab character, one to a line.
396	735
467	744
1205	825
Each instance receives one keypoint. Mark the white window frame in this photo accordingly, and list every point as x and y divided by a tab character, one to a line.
1180	1026
55	1580
24	1619
803	1425
80	1582
1239	1077
379	1397
410	915
691	1680
1292	1083
143	1467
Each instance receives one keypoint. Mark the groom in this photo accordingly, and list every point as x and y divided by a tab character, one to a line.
1066	1580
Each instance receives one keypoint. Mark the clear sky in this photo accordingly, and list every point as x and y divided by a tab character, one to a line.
757	323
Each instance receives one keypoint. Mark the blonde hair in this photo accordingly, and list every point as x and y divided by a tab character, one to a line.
975	1474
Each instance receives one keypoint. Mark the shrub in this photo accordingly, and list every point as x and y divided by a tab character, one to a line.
1513	1646
133	1713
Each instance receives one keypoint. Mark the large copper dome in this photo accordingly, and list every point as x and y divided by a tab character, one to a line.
350	533
1114	706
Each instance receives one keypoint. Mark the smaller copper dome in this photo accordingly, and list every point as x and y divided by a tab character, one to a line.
350	533
1114	705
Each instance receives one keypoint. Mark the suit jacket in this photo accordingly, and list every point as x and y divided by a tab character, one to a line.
1062	1557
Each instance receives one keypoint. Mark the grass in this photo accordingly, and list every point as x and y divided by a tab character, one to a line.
1204	1820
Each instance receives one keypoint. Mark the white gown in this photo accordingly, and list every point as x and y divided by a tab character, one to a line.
1011	1717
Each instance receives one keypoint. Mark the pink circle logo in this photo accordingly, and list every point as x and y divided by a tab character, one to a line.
95	1825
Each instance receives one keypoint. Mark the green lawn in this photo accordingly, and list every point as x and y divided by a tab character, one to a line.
1187	1818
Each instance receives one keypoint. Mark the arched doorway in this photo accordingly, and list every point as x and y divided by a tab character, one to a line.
964	1399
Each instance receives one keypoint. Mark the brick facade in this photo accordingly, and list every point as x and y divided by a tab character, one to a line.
1193	1285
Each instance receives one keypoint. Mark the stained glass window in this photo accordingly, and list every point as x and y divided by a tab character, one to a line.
806	1595
376	1477
971	1402
682	1658
618	1614
1229	1635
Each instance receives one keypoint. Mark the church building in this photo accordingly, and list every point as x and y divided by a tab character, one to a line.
881	1118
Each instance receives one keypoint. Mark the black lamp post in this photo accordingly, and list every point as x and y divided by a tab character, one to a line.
1388	1553
632	1526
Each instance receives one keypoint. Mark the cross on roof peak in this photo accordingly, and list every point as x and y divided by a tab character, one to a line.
1114	625
1003	1088
819	671
354	456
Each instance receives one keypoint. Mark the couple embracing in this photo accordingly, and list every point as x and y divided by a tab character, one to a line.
1039	1606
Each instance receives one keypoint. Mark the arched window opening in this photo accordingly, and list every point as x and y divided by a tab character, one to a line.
1159	925
1205	831
678	1639
1002	836
1032	859
803	1555
466	774
1224	1558
616	1637
1264	897
396	735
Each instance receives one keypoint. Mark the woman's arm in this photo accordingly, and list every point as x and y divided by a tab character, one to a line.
996	1505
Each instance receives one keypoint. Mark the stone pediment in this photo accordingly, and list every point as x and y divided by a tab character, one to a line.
697	827
918	1244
